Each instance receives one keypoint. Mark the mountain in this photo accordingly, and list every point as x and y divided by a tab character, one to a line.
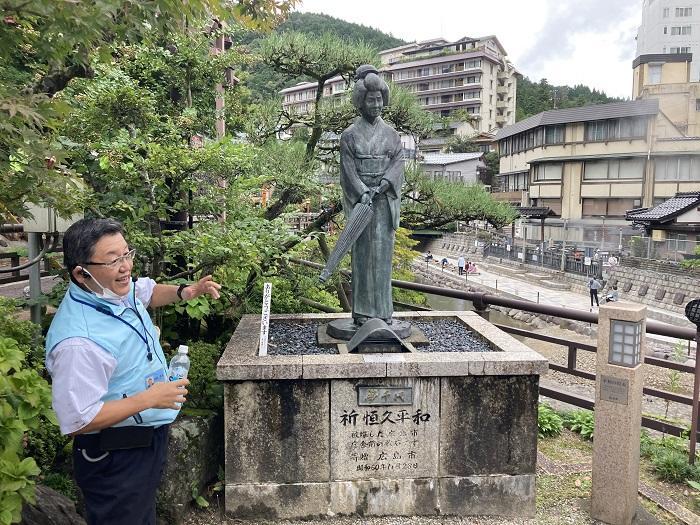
535	97
264	83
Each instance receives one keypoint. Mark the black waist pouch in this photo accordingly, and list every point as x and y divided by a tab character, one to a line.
122	438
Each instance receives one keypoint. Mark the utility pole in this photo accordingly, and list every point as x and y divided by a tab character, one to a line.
563	246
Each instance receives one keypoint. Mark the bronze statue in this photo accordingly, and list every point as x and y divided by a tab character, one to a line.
372	171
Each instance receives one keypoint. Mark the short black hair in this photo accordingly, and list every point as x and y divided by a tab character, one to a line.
80	239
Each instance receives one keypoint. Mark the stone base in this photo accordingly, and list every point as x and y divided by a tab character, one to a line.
344	329
462	496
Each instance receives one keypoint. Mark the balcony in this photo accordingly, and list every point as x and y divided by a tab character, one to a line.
501	104
502	90
437	75
433	91
501	119
503	75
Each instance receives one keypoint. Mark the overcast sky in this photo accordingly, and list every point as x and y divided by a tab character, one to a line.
589	42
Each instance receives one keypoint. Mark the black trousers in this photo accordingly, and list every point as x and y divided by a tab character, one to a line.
594	295
120	486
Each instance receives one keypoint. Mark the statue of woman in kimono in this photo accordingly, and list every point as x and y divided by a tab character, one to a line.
372	171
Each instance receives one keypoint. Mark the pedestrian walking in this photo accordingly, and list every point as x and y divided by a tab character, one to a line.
593	286
460	264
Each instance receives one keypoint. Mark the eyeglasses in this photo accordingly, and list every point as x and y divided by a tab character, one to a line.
127	257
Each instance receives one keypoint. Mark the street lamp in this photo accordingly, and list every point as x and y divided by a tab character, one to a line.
619	244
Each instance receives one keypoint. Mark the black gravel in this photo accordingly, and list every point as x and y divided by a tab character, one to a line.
445	335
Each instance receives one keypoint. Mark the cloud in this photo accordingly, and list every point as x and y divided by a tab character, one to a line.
569	18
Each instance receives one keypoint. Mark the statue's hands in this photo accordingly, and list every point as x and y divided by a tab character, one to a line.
366	198
383	186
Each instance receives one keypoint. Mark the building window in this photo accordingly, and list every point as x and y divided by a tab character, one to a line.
683	11
681	168
548	172
680	30
654	73
697	104
608	207
516	182
679	50
613	169
666	12
554	134
616	129
665	30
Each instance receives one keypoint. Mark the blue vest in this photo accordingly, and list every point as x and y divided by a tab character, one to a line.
82	314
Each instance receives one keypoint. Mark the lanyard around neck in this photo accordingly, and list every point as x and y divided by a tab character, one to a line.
106	311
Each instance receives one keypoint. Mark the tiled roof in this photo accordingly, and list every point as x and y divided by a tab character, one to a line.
667	210
450	158
632	108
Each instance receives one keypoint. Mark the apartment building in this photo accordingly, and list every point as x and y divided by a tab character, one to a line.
592	164
472	75
670	27
301	97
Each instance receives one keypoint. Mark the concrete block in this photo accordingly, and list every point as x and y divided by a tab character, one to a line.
273	501
385	497
488	425
488	495
340	366
276	431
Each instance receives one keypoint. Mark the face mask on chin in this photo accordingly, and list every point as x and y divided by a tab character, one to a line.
106	293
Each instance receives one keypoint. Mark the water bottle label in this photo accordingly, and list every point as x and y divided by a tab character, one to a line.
178	372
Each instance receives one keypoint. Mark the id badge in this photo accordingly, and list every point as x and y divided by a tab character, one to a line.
155	377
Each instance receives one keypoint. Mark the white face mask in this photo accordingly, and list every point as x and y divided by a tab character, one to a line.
106	293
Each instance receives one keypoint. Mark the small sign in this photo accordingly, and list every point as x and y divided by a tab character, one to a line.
586	261
508	247
384	395
265	319
614	390
534	257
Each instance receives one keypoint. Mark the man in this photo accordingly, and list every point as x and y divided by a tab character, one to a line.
460	264
593	286
109	373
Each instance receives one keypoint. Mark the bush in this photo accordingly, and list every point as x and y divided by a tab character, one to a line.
45	444
549	423
580	421
63	483
672	465
204	391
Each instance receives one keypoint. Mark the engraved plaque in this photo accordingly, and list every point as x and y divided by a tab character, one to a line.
614	390
384	395
385	442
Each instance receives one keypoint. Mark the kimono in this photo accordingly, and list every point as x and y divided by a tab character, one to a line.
370	153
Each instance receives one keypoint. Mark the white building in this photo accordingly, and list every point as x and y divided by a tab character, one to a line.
472	75
454	167
669	27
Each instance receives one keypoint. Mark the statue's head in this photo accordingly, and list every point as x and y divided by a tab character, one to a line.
370	93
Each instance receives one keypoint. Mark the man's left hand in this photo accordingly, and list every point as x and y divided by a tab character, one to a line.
383	186
205	285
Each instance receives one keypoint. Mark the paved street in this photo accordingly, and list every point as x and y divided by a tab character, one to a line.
532	292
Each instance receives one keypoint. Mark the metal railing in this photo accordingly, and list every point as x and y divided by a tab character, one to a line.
547	258
482	301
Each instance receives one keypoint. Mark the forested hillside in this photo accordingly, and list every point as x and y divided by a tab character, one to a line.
264	83
535	97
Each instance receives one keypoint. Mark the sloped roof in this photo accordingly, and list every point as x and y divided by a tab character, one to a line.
450	158
631	108
534	212
667	210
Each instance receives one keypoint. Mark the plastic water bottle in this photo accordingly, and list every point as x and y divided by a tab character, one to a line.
179	365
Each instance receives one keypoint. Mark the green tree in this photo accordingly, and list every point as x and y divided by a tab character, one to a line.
50	42
437	203
535	97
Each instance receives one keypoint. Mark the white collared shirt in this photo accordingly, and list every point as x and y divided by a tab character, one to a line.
80	372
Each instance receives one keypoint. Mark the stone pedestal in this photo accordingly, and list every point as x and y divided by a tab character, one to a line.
380	434
618	416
